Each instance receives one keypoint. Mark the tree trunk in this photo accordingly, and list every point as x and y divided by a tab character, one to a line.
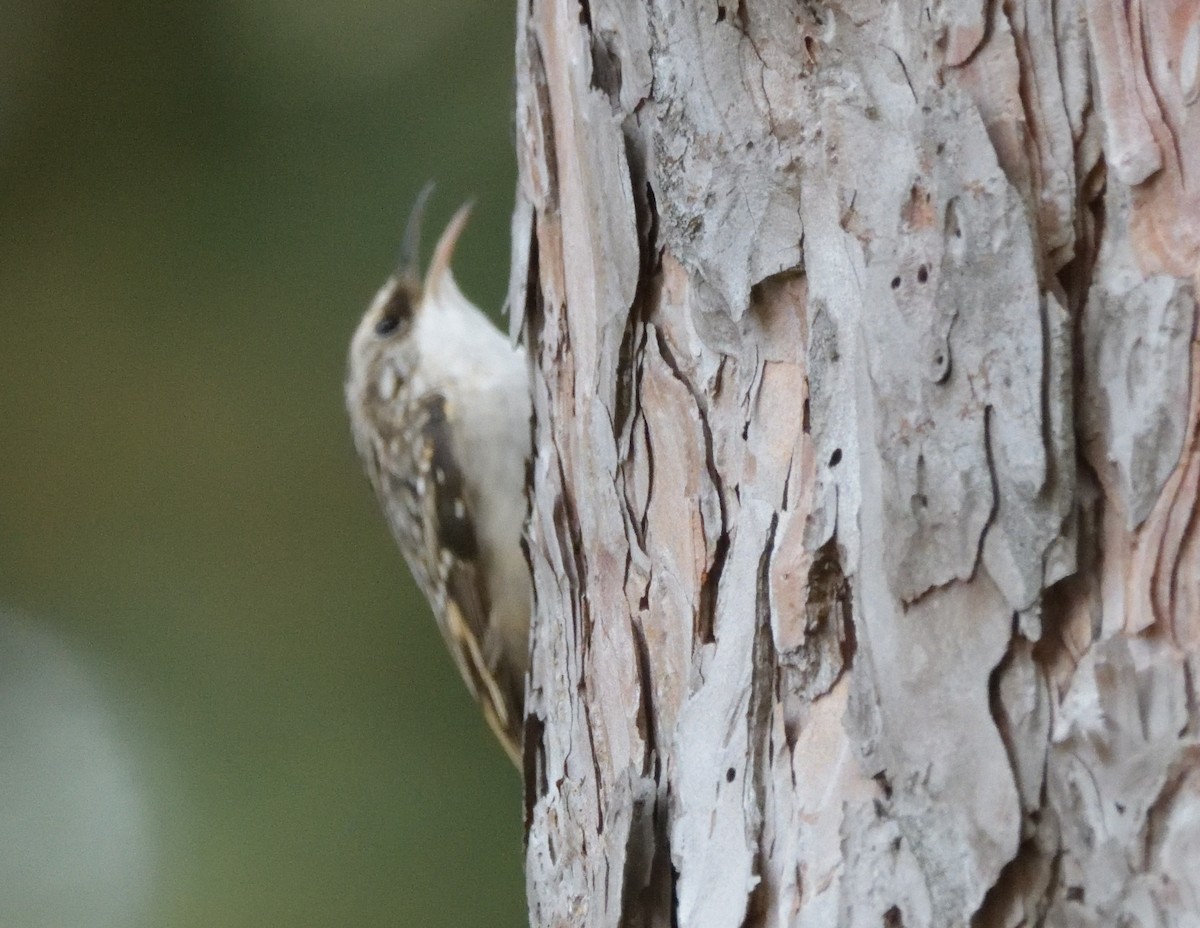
864	498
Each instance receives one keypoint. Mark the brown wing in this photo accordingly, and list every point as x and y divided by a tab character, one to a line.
431	517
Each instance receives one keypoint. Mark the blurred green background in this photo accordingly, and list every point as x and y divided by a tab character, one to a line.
208	634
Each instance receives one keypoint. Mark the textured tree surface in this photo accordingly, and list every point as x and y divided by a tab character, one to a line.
864	502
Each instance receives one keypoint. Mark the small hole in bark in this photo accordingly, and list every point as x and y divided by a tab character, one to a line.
1075	893
1120	807
836	458
895	283
720	13
922	274
892	918
730	775
920	501
941	367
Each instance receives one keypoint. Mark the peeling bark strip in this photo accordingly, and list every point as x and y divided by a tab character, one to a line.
864	504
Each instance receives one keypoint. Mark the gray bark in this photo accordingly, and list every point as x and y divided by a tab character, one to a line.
864	524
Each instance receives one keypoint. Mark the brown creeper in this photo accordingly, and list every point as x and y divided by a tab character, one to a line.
439	406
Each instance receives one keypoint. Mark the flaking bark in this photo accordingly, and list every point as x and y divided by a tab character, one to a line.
863	528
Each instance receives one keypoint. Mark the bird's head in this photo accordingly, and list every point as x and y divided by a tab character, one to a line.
385	353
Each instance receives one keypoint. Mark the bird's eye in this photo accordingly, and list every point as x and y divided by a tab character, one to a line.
387	324
396	312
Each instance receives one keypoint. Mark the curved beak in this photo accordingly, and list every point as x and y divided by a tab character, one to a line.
439	265
408	266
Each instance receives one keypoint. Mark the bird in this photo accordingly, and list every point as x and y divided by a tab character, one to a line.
440	413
